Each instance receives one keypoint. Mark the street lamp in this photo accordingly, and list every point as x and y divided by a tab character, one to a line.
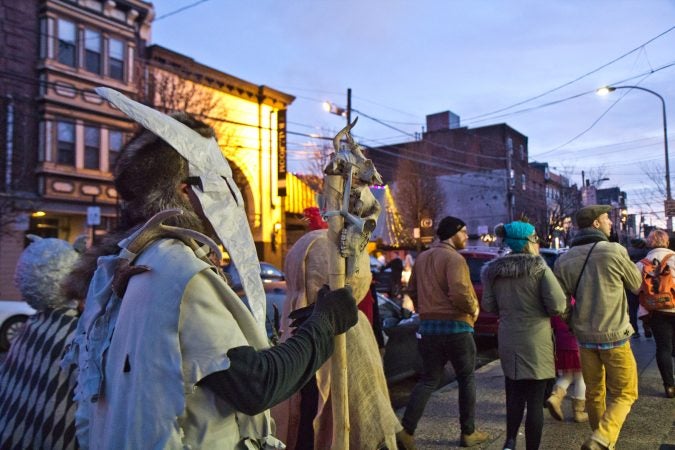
334	109
668	206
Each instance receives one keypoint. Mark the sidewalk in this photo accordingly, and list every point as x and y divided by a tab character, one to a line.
649	426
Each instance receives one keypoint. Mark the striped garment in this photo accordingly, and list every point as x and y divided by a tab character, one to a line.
37	410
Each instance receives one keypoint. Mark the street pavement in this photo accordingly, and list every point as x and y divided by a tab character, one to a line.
649	426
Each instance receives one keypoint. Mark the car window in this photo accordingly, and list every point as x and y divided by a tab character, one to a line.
475	266
549	258
269	272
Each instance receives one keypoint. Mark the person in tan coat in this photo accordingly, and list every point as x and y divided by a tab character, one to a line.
443	294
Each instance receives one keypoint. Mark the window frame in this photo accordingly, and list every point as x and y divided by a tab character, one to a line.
111	150
60	144
90	149
94	56
111	59
63	44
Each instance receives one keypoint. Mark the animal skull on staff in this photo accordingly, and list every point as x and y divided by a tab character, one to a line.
351	211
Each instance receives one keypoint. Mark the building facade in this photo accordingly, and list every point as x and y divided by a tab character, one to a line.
59	140
482	174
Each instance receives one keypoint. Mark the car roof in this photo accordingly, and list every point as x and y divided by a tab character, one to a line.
484	250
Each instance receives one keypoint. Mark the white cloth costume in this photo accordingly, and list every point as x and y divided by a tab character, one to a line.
141	356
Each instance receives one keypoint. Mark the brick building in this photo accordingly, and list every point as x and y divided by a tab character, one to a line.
483	173
58	138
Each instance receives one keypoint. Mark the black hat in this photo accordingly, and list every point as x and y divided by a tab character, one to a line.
448	227
587	214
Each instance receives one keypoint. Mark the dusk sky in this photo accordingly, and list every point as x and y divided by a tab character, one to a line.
406	59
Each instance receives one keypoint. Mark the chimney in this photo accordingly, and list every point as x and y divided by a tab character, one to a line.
442	121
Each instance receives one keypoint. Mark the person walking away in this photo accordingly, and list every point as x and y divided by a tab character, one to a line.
637	250
36	405
446	302
596	273
568	367
522	289
662	321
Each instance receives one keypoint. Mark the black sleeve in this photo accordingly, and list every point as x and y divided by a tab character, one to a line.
258	380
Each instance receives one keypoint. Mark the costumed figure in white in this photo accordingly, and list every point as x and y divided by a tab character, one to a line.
169	356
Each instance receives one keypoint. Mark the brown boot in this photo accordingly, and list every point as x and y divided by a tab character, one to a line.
475	438
579	407
554	402
405	441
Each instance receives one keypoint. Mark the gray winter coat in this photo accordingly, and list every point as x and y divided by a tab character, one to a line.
525	293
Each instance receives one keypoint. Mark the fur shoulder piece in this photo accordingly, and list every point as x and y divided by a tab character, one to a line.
513	265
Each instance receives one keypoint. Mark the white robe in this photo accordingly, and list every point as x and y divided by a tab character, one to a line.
172	328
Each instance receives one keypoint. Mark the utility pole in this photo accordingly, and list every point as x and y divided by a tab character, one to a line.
509	178
349	106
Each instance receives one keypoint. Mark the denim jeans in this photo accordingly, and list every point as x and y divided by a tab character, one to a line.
436	351
613	371
663	327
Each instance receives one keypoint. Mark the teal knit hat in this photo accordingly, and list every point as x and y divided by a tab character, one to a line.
517	234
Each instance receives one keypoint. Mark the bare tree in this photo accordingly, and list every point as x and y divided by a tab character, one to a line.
417	194
170	92
657	175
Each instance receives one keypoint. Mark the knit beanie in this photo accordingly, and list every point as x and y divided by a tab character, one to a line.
515	234
449	227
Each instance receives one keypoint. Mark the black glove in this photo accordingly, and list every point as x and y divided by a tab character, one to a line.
338	307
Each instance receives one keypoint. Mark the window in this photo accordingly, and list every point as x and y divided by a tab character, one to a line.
521	148
92	147
65	146
67	34
92	51
523	181
116	59
115	142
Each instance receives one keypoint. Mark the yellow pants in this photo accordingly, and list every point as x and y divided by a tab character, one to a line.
613	371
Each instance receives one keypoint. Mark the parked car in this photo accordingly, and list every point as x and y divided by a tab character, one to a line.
550	255
399	327
487	322
13	314
274	283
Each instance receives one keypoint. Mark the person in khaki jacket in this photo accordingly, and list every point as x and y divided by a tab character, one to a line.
446	302
597	273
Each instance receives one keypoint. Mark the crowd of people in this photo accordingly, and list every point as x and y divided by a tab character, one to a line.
161	353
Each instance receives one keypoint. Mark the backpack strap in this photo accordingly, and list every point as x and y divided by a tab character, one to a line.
588	255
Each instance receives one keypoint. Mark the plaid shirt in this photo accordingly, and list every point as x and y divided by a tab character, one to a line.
603	345
440	327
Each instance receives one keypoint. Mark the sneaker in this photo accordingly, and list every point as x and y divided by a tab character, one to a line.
510	444
475	438
592	444
648	334
405	441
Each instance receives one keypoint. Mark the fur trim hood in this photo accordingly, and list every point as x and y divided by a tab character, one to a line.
513	265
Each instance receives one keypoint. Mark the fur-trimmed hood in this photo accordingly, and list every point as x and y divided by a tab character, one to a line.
513	265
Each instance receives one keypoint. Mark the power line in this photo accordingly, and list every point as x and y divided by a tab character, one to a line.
179	10
574	80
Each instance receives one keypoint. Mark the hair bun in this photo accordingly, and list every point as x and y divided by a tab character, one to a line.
500	231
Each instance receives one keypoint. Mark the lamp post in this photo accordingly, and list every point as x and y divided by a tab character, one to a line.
338	111
668	205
